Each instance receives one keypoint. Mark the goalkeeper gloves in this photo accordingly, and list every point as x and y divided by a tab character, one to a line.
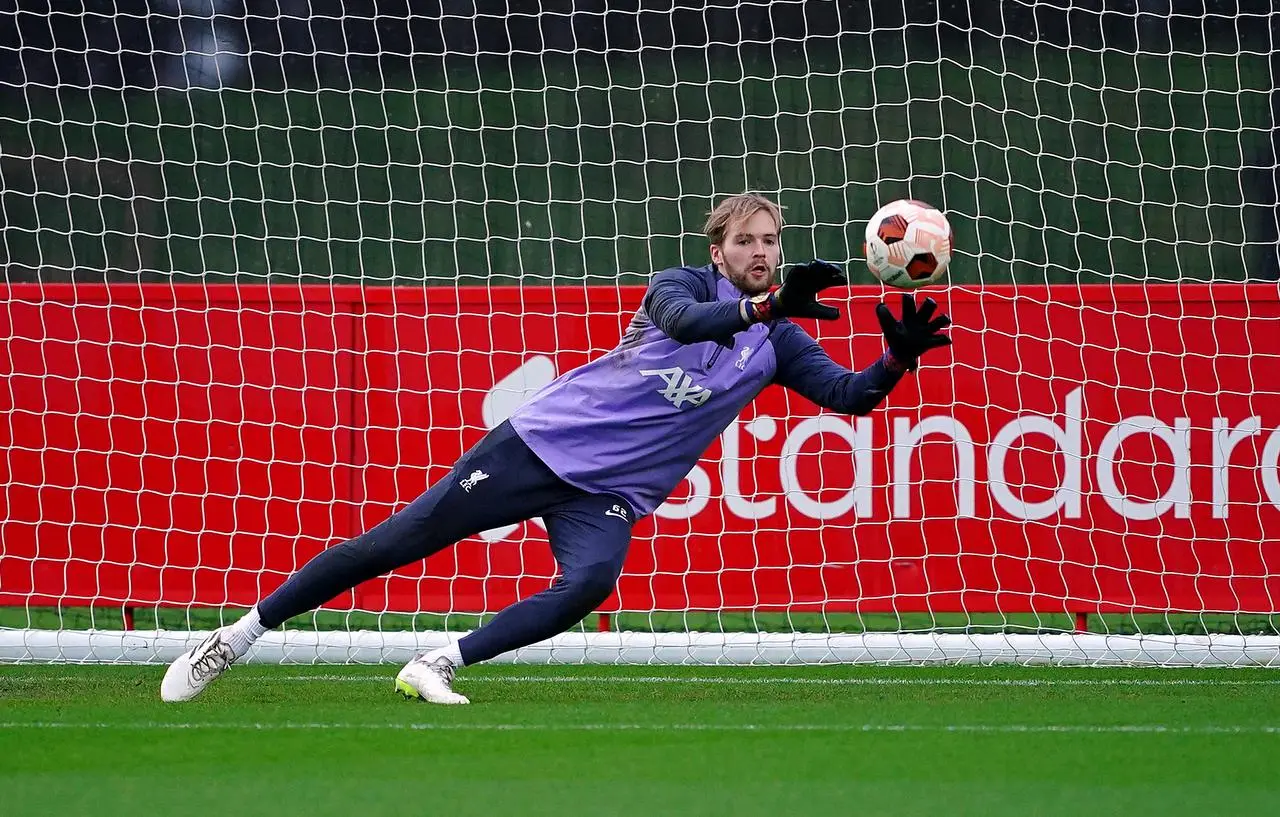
916	333
798	295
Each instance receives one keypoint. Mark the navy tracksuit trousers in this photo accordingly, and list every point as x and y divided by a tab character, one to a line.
498	482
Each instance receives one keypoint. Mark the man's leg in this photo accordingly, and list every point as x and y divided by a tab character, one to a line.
481	491
590	534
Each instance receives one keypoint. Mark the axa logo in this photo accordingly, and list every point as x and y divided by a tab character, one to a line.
471	481
679	388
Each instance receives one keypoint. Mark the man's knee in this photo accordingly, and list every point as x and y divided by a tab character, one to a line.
592	583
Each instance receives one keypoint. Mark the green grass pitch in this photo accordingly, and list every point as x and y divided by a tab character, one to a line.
96	740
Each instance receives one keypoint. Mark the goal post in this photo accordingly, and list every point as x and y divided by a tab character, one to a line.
251	308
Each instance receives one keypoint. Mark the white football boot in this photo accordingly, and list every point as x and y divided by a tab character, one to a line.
196	669
431	681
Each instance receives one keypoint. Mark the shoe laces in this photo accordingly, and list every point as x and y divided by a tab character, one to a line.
445	668
441	666
213	659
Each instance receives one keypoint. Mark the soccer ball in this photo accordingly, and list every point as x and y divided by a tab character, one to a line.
908	244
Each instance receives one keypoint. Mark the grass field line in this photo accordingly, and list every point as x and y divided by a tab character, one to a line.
713	680
968	728
906	682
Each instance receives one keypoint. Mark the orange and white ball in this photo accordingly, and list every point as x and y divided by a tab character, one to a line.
908	244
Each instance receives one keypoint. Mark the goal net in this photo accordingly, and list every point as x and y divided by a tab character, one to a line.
268	276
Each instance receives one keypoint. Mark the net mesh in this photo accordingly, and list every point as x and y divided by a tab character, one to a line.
271	269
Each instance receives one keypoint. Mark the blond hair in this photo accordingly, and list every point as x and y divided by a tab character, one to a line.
734	211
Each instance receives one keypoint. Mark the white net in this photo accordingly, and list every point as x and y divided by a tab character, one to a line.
271	270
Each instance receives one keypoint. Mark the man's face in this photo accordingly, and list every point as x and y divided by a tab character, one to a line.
750	252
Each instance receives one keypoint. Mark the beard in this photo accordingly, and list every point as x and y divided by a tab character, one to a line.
747	278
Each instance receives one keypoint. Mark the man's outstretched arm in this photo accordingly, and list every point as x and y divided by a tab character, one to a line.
805	367
678	303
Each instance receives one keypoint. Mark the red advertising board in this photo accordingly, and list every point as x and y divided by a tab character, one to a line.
1078	449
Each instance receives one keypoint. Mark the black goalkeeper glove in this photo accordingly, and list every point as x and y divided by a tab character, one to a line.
798	295
916	333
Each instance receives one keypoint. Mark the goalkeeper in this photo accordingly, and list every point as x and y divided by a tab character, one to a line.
604	445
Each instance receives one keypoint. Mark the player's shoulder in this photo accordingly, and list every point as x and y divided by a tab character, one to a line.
701	280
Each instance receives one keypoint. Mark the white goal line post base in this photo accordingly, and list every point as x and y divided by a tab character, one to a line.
706	649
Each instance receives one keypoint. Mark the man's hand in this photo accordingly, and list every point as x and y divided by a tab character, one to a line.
798	295
916	333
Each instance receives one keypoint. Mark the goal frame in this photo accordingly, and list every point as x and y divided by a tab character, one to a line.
361	317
